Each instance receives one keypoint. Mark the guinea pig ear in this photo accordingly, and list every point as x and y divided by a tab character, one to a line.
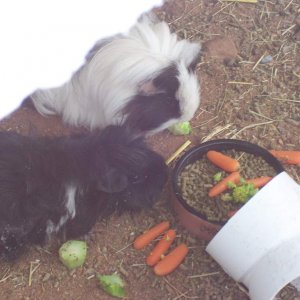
112	181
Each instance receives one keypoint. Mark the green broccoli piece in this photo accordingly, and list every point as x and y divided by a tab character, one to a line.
231	185
112	284
181	128
218	177
242	193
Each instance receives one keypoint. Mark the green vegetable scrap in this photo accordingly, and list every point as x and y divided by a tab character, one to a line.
181	128
231	185
242	193
218	177
73	253
112	284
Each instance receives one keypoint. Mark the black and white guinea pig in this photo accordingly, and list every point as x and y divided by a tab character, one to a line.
145	79
49	185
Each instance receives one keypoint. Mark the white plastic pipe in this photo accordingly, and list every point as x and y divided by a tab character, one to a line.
260	245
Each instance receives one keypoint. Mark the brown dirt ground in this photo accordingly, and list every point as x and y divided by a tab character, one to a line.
239	99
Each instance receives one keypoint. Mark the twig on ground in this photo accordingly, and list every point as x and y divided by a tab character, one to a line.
125	247
287	30
217	130
178	152
260	115
288	4
138	265
34	265
206	122
251	126
240	82
217	12
242	1
203	275
286	100
6	275
256	64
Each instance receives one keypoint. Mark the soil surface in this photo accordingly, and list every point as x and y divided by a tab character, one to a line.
250	86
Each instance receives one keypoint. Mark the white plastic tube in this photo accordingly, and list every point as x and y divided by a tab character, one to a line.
260	245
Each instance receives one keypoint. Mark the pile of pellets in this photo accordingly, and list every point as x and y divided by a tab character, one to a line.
196	180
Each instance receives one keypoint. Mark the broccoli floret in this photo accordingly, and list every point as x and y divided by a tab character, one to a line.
181	128
231	185
242	193
218	177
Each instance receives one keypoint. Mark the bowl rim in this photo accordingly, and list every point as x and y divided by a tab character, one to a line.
198	151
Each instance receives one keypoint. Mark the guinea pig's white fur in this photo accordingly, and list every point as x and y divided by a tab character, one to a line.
149	62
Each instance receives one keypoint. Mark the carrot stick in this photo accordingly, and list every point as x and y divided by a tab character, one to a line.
223	161
223	184
170	262
289	157
148	236
259	181
161	247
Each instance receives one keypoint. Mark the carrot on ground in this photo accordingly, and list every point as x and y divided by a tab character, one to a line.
259	181
222	186
289	157
223	161
161	247
148	236
171	261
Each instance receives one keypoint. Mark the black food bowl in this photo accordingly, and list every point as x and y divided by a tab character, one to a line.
191	219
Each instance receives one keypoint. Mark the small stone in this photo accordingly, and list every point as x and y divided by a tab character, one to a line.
222	49
267	59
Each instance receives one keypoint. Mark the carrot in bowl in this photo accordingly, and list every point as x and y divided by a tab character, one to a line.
171	261
222	186
161	247
148	236
259	181
289	157
223	161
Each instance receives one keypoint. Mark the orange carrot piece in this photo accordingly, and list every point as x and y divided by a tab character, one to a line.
259	181
223	161
289	157
222	186
161	247
148	236
171	261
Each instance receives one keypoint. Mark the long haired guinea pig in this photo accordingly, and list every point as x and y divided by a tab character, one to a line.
50	185
145	79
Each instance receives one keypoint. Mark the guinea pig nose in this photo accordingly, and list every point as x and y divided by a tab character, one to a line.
112	182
